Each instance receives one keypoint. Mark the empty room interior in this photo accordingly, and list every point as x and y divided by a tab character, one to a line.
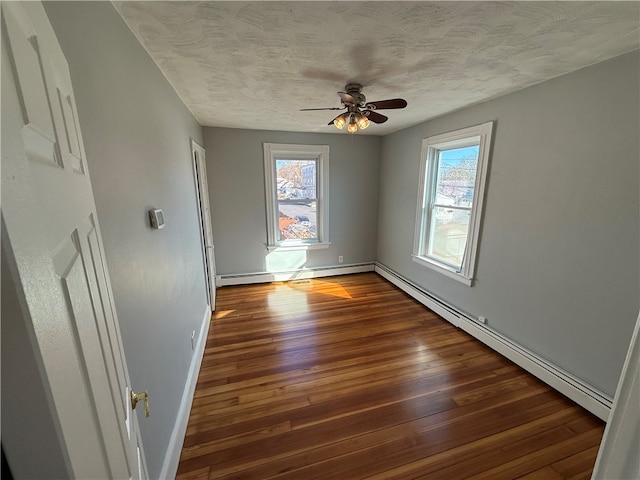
332	240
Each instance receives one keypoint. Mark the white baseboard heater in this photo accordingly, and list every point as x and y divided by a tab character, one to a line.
283	276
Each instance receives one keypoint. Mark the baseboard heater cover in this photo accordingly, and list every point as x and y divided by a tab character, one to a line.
318	272
577	390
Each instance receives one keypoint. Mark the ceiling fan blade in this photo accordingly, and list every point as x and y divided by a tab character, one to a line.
347	99
386	104
375	117
328	108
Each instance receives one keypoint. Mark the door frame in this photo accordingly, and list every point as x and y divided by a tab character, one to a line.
620	440
199	175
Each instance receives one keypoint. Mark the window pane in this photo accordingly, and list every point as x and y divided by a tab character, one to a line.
297	219
296	179
449	229
457	176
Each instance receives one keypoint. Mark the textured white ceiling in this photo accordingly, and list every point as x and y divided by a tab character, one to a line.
255	64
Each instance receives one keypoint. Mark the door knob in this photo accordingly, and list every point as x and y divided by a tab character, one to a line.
137	397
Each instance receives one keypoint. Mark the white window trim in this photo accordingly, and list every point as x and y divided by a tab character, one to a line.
430	147
282	151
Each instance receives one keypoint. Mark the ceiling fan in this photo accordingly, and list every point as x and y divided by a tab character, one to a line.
360	113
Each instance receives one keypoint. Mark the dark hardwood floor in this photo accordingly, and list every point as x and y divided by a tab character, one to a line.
348	377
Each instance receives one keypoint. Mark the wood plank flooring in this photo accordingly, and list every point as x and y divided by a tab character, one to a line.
349	378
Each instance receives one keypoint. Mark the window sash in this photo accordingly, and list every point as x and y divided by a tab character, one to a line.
453	207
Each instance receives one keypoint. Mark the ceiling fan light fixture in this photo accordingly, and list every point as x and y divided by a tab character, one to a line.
353	126
341	121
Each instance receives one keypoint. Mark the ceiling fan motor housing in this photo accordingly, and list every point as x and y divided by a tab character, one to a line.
355	90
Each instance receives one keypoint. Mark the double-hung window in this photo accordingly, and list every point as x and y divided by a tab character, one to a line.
297	191
451	189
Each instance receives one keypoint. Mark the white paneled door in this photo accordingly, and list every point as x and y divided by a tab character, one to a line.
56	255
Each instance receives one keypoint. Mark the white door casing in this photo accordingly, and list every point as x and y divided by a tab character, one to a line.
56	254
204	212
619	453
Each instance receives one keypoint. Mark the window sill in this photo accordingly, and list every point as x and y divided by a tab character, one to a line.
298	246
442	269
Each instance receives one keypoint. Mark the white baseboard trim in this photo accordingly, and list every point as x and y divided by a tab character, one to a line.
172	457
266	277
577	390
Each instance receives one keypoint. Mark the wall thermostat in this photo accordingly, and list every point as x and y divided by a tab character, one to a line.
156	217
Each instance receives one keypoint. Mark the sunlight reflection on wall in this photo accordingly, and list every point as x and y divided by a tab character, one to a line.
286	262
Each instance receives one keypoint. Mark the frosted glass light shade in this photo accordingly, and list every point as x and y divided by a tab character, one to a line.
363	122
340	121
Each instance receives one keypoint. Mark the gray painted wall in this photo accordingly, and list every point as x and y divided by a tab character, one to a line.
235	167
557	268
137	139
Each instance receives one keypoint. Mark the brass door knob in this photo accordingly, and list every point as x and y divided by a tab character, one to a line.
137	397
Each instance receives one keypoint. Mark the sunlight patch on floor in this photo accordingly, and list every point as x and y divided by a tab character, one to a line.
320	286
